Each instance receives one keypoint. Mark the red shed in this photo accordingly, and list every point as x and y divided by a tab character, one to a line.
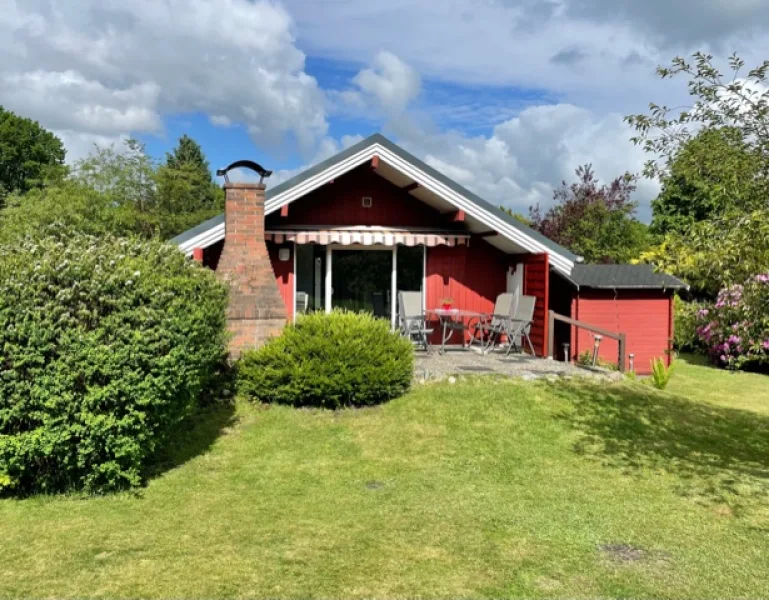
629	299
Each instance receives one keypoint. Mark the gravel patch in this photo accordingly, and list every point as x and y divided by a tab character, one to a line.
457	362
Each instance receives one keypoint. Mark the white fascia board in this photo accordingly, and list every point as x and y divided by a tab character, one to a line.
203	240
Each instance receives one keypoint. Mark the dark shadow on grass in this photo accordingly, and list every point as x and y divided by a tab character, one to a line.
194	436
719	454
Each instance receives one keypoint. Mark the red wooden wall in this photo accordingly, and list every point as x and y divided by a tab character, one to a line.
644	316
536	282
473	276
284	275
340	204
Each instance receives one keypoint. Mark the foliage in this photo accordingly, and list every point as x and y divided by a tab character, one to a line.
329	361
661	373
735	101
585	359
735	330
686	338
118	189
716	253
522	219
29	154
185	186
594	221
107	345
71	206
713	174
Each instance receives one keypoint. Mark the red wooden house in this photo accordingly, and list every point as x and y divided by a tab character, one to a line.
372	220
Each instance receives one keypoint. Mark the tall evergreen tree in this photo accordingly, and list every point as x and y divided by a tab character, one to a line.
189	154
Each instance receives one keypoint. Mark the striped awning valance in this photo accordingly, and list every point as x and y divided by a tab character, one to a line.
368	237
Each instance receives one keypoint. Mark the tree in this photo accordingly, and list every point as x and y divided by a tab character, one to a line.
186	193
714	173
741	103
29	154
188	153
716	253
595	221
125	173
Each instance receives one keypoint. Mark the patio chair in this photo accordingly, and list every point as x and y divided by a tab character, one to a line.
412	320
302	301
496	324
515	325
520	325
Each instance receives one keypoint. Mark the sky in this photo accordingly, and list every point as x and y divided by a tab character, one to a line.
507	97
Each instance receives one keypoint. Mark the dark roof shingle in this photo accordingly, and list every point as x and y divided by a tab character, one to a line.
623	277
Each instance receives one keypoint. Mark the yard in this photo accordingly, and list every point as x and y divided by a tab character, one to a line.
483	488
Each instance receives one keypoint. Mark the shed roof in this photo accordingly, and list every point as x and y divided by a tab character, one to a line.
623	277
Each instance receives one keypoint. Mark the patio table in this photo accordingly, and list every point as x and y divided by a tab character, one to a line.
453	319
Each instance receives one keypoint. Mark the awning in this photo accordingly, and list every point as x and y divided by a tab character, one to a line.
369	237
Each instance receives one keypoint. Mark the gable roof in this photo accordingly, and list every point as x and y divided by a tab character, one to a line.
623	277
431	179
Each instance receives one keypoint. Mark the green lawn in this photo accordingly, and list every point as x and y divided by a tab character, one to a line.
482	488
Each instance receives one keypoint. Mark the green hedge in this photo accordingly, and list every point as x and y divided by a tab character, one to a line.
330	361
106	345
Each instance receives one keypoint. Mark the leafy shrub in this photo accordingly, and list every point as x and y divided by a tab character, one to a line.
661	373
107	344
330	361
735	330
585	359
686	338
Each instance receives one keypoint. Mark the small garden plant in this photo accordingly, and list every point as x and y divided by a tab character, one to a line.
330	361
661	373
106	344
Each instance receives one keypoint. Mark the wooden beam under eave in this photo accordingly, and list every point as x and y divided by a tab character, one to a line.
284	211
374	162
411	187
457	216
488	234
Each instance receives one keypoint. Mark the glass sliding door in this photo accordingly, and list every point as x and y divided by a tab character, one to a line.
310	278
361	280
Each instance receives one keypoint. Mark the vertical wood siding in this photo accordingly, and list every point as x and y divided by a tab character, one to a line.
643	316
284	275
472	275
339	204
536	282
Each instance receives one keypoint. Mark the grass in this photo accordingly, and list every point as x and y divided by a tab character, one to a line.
488	487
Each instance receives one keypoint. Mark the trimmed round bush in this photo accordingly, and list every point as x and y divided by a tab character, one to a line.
106	345
330	361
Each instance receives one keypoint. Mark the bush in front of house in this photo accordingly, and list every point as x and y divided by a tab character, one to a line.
106	344
735	330
330	361
686	322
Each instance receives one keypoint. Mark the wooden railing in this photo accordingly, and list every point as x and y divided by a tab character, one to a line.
620	337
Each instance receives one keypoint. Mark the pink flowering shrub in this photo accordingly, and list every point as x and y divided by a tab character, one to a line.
735	330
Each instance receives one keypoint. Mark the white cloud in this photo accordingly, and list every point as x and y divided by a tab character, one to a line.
105	67
525	158
390	82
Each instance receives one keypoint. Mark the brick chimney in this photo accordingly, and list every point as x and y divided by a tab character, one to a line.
256	310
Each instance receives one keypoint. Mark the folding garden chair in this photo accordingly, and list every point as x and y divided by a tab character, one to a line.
494	325
520	325
412	320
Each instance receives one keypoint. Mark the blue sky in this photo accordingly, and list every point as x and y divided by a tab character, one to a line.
506	96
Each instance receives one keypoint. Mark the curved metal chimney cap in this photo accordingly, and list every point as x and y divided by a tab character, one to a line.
247	164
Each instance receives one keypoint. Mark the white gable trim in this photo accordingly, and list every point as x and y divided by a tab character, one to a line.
559	262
